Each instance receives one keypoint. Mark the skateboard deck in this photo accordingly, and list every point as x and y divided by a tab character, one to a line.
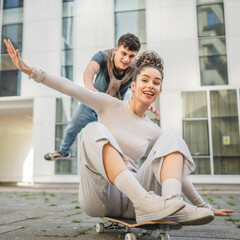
128	224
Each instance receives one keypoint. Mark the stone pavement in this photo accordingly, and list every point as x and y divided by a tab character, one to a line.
45	212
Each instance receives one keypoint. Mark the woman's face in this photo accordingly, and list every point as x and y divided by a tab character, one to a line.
148	85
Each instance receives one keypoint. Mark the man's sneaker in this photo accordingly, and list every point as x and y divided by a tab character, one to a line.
154	207
191	215
57	155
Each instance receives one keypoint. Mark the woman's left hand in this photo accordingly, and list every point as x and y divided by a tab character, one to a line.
16	59
154	110
221	212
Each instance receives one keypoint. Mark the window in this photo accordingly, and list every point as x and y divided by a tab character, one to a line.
216	116
14	33
195	129
212	43
225	132
64	110
130	18
67	63
12	28
66	106
67	39
12	4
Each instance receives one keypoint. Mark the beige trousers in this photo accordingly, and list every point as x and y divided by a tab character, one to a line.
97	196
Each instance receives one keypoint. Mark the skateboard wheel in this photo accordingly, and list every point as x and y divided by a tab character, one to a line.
130	236
100	228
164	236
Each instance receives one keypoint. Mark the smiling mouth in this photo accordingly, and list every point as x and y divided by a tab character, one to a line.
124	64
148	94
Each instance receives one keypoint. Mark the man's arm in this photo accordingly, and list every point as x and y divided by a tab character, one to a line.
89	73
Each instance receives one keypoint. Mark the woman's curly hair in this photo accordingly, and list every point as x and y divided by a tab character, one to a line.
148	59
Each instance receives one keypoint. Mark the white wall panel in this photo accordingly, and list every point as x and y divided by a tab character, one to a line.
171	23
181	64
232	17
171	112
233	57
44	135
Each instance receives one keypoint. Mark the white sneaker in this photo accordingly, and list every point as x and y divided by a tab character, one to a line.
191	215
154	207
57	155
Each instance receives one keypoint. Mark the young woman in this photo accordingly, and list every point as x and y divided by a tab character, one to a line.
110	183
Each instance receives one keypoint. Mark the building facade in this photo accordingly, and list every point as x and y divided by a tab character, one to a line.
198	40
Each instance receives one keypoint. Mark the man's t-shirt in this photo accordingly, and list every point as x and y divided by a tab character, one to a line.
102	78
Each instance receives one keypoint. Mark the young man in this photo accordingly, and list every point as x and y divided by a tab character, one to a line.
114	69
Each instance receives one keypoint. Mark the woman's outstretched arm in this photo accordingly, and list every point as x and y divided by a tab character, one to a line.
192	194
95	100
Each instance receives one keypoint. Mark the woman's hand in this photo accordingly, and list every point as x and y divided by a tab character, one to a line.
221	212
16	59
153	109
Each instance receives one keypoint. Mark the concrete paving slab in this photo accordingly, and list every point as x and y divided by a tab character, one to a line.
5	229
11	218
48	213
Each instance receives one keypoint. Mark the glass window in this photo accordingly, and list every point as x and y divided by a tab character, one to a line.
194	104
10	83
225	132
126	5
13	32
213	61
67	166
133	22
208	1
212	43
195	129
67	33
65	108
68	9
196	136
202	165
12	15
67	72
12	4
210	20
130	18
212	46
213	70
6	63
224	103
67	57
12	28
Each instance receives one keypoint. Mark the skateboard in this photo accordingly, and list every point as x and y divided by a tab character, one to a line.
147	228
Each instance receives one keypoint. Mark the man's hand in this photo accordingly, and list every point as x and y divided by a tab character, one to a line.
16	59
221	212
89	73
153	109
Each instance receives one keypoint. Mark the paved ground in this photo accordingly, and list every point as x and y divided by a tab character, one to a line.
47	212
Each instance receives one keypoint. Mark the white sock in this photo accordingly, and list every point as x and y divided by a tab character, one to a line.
127	183
170	187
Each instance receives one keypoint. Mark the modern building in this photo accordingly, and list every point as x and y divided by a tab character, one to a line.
199	41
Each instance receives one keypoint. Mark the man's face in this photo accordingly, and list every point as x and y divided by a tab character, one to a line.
123	57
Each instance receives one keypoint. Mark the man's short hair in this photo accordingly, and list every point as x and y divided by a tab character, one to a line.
129	41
